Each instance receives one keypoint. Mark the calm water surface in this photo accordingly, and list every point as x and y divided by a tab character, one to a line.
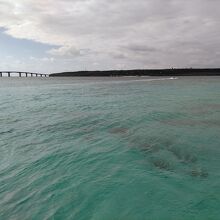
110	149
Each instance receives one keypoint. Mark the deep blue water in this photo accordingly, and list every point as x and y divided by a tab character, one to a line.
110	148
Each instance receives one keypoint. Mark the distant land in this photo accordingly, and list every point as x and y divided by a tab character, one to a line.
142	72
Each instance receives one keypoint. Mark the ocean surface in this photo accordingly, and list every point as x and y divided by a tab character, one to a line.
110	148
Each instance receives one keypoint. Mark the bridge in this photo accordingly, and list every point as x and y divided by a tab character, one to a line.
21	74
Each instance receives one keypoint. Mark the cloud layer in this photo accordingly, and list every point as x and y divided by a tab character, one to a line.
105	34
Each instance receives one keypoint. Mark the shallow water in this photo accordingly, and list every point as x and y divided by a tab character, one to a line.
110	148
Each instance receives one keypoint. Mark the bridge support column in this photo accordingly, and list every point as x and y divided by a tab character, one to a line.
31	74
36	75
9	74
0	74
19	74
26	74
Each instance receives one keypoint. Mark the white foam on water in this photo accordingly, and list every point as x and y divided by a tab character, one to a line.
138	80
110	80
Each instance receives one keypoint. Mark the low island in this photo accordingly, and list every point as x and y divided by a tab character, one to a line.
141	72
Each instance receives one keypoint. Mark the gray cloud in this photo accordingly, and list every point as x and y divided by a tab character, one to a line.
141	48
118	33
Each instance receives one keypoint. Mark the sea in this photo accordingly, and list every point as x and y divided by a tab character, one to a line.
117	148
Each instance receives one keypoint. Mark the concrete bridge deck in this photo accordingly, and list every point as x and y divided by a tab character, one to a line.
22	74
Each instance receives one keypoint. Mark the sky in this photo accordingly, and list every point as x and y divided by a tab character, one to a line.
70	35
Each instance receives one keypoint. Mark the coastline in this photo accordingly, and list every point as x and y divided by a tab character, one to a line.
141	72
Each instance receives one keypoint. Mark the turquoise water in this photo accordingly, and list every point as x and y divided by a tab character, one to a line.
110	149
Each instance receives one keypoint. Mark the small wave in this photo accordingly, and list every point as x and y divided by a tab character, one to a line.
8	131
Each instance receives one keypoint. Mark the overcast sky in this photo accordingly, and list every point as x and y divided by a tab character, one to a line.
62	35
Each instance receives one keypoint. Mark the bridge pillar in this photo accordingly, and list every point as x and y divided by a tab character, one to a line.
9	74
0	74
26	74
19	74
31	74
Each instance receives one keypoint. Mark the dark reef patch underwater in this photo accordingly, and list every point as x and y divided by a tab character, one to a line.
110	148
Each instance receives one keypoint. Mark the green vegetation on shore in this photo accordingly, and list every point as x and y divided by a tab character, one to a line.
143	72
